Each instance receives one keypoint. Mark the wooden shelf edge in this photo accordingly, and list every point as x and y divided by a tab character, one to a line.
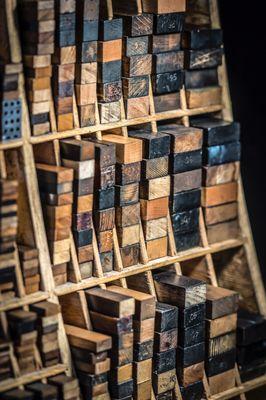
23	301
123	123
196	252
244	388
11	144
32	377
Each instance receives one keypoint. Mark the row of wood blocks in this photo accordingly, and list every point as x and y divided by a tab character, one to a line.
10	103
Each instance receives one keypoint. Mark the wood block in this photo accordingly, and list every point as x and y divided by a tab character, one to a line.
250	327
164	43
143	330
128	235
207	58
168	23
104	199
87	52
191	355
153	145
220	363
188	240
104	153
41	390
220	302
104	219
202	39
104	177
88	10
137	65
109	91
164	382
135	25
65	56
127	194
135	46
87	340
221	344
128	150
111	29
217	131
185	221
142	371
76	150
137	107
107	261
184	201
144	303
111	325
109	112
221	326
179	290
83	204
166	317
110	50
143	351
168	395
163	7
82	169
164	341
219	194
121	374
127	173
157	248
86	94
137	86
37	61
109	72
167	82
220	174
167	102
87	115
105	241
204	97
110	303
164	361
222	154
122	390
155	229
217	214
223	231
64	105
130	255
43	72
155	188
88	31
128	215
194	390
86	73
153	209
83	187
168	62
182	162
54	174
188	375
191	336
222	382
183	139
196	79
64	122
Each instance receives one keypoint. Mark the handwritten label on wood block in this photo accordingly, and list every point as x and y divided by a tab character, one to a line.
197	59
110	50
110	112
125	147
155	188
138	86
179	290
167	82
217	214
127	215
163	7
187	161
219	194
155	229
204	97
153	209
128	235
135	46
168	62
220	174
137	107
137	65
157	248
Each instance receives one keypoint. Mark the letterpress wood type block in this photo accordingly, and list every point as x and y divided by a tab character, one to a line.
184	201
109	72
225	212
110	50
128	150
157	248
187	161
155	188
250	327
219	194
104	219
164	382
153	146
137	25
186	221
164	43
155	229
220	174
104	199
167	82
221	344
137	107
137	86
105	153
109	112
104	177
111	29
109	91
220	363
164	361
87	52
191	355
154	167
204	97
130	255
166	317
153	209
137	65
111	325
164	341
127	194
128	235
189	375
76	150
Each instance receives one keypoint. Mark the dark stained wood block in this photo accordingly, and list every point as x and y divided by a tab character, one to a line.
191	316
166	317
109	91
154	168
135	46
127	173
168	23
137	25
164	43
164	341
82	238
137	86
250	328
105	153
186	181
179	290
198	59
104	219
127	194
137	65
111	29
164	361
220	363
222	154
167	82
104	177
104	198
191	355
251	354
86	9
65	38
187	161
184	201
188	240
153	145
130	255
185	221
41	390
198	39
167	102
220	302
76	150
82	221
83	187
122	390
128	215
87	31
168	62
201	78
143	351
87	51
111	325
109	72
191	336
18	394
107	261
194	391
163	382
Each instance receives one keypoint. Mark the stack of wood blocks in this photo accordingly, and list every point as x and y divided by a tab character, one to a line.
109	73
221	323
8	234
128	159
203	54
67	387
251	344
10	103
168	59
137	63
90	354
47	314
86	67
79	155
154	191
185	168
143	337
221	155
64	60
189	295
37	21
165	344
23	332
111	313
6	370
29	264
56	186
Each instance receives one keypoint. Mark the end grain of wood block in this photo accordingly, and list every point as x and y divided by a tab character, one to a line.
128	150
137	107
155	229
128	235
157	248
86	94
110	112
86	73
223	231
142	371
153	209
110	50
222	382
219	194
197	98
65	122
191	374
155	188
222	213
220	174
163	7
64	55
221	326
127	215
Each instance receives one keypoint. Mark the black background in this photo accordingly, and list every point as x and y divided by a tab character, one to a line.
244	28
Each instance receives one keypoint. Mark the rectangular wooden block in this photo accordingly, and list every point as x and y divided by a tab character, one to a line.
217	214
222	154
143	330
222	382
221	344
135	25
82	169
164	382
188	375
217	131
167	82
188	356
191	336
104	198
166	317
168	62
187	161
167	102
155	229
104	177
183	139
111	325
200	59
128	150
196	79
135	46
137	65
143	351
221	363
153	145
86	73
109	72
221	326
130	255
109	112
128	215
157	248
184	201
153	209
86	94
195	389
127	194
127	173
163	7
185	221
111	29
104	153
168	23
110	50
155	188
142	371
137	107
105	241
204	97
107	261
164	361
250	327
154	167
109	91
137	86
164	43
87	52
220	302
219	194
76	150
202	39
220	174
121	374
104	219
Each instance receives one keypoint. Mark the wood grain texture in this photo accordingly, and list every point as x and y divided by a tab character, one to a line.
219	194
